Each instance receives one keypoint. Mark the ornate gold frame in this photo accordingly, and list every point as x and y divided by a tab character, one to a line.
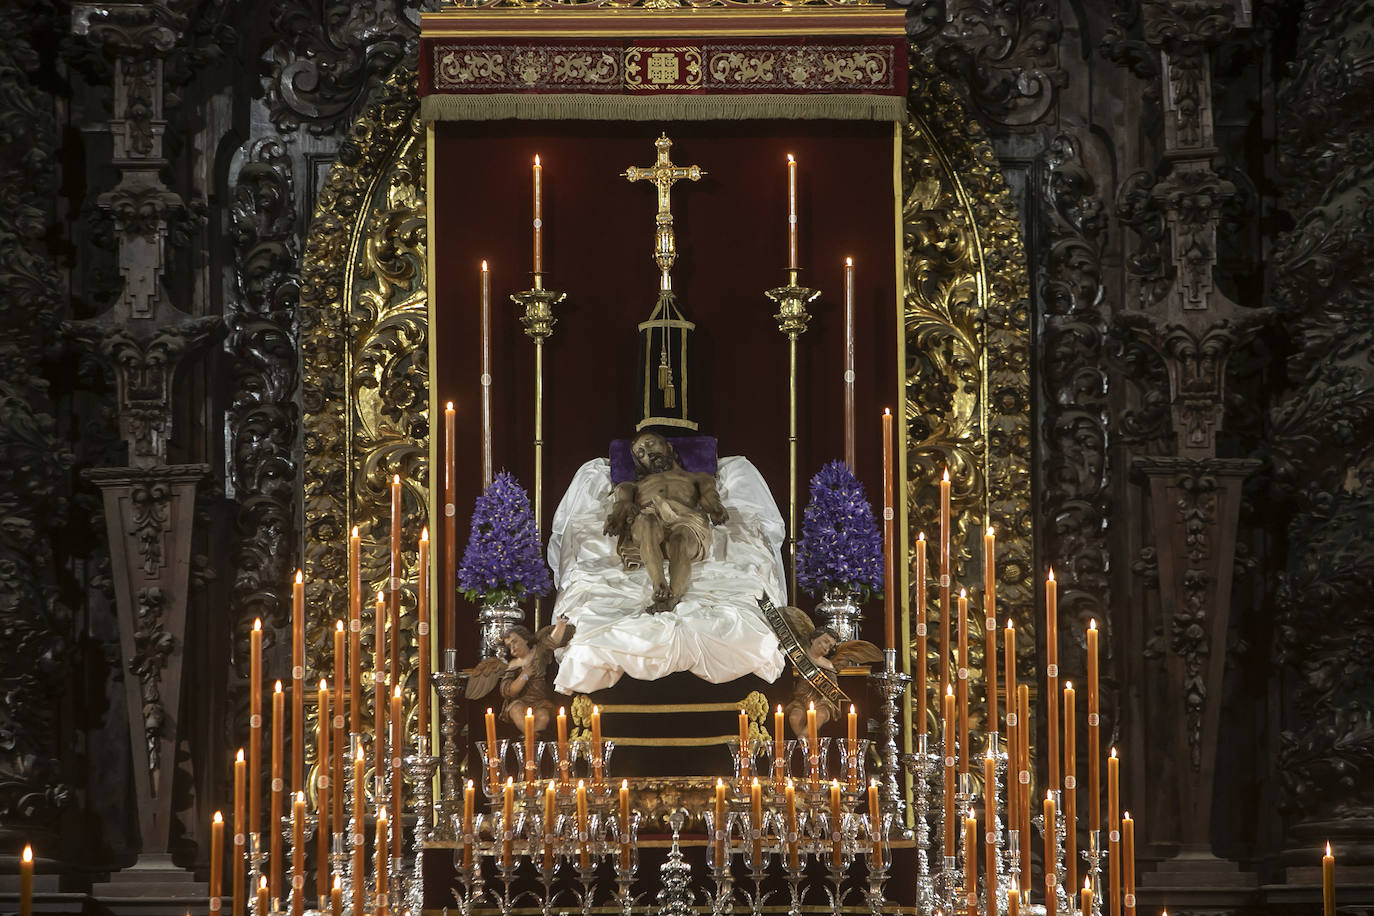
966	350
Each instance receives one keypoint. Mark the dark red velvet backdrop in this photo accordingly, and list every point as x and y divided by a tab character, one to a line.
731	239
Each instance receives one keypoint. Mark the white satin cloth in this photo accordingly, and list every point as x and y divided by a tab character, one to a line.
716	632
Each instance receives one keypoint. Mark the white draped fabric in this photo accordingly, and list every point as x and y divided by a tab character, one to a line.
716	632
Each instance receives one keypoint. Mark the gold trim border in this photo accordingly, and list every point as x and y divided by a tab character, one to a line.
660	106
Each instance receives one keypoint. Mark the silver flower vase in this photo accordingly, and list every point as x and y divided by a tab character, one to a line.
839	610
496	618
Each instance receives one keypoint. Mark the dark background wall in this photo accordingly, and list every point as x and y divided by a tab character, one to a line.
1079	99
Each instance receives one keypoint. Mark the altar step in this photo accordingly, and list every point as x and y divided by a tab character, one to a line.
678	725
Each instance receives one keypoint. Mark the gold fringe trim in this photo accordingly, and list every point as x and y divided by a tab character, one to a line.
531	107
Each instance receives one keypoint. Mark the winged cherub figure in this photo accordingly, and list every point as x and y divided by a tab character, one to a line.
523	679
824	648
666	512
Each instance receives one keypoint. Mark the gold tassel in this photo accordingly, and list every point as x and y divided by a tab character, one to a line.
665	376
669	392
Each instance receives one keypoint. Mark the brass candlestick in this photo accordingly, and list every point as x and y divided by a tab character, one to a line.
792	317
538	320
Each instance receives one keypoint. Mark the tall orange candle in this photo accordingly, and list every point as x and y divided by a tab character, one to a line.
971	861
921	638
359	871
538	220
849	375
469	811
1013	721
889	539
240	833
563	762
493	760
584	856
625	822
961	692
779	748
298	684
484	296
1013	902
790	794
397	750
355	632
263	906
1328	882
324	794
947	723
852	736
756	823
336	898
836	825
875	817
530	763
596	745
1114	831
255	727
298	854
216	862
813	747
448	585
945	582
1023	779
393	615
792	258
1128	864
1085	899
745	746
26	881
550	821
990	632
989	834
1094	735
1070	790
379	691
508	822
340	746
422	636
1051	902
1052	673
382	844
719	825
276	797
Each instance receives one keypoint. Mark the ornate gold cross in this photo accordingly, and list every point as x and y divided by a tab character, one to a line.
664	174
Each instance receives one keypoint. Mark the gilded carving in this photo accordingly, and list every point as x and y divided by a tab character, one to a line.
967	326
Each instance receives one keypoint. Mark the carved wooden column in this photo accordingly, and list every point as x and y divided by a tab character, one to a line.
1193	496
148	504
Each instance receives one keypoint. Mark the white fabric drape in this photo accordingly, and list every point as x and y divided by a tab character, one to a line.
716	632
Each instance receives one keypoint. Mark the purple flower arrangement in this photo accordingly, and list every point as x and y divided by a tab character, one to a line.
503	560
840	545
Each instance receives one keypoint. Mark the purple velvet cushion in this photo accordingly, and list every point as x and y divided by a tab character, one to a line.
697	454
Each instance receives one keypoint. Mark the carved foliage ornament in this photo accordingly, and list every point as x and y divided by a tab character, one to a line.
38	647
263	418
967	326
1076	427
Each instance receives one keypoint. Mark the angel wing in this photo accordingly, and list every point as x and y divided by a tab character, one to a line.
856	652
483	678
798	620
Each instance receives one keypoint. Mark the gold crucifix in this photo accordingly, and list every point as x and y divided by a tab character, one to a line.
663	174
